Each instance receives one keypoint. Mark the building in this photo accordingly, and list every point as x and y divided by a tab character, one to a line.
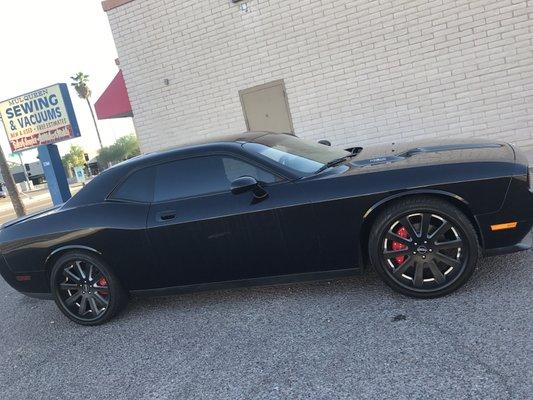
353	72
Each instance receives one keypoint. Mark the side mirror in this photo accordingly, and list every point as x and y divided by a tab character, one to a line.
325	142
247	184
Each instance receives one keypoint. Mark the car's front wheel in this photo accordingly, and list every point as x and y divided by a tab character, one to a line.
85	289
423	247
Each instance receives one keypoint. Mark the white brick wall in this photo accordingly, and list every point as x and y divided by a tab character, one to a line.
356	72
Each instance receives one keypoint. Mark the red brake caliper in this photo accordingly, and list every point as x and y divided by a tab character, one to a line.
402	232
102	282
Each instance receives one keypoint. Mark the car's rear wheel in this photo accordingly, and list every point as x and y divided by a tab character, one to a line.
423	247
85	289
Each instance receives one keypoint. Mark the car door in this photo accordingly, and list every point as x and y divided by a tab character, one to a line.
201	232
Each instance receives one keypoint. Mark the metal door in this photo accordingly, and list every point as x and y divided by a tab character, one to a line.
266	108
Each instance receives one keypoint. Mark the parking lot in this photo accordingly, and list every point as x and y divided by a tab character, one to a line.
350	338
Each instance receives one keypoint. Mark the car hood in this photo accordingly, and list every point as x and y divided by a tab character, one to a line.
432	153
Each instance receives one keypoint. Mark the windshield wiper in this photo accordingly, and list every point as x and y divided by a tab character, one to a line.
337	161
331	163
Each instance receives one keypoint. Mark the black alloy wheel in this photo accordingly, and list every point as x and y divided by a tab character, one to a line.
423	247
85	289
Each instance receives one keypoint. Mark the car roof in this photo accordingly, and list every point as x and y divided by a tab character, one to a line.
241	137
208	142
107	180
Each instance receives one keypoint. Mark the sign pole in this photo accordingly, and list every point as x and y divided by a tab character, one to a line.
54	173
11	187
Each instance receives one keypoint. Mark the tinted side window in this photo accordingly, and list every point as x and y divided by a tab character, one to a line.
202	175
236	168
139	186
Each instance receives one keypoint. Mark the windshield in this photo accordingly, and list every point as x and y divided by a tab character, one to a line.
301	156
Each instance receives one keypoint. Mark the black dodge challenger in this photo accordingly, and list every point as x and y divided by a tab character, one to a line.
262	208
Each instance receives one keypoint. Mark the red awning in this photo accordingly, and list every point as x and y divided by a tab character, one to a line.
114	102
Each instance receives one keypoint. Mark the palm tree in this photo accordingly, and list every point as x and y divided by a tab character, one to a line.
84	92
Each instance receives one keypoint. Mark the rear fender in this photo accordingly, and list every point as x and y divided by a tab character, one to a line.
57	252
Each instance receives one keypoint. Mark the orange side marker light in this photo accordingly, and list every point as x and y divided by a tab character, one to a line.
502	227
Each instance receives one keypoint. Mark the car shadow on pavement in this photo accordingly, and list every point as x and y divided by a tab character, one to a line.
366	289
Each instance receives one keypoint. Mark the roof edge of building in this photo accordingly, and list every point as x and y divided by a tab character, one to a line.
110	4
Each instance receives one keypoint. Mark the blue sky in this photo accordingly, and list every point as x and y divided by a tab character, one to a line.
46	42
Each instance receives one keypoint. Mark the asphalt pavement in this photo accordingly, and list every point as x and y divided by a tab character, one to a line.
350	338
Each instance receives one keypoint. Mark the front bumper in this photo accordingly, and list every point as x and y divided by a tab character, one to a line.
525	244
517	207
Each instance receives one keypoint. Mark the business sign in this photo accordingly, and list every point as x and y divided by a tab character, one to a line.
43	116
79	172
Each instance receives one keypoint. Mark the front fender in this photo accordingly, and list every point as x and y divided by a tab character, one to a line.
440	193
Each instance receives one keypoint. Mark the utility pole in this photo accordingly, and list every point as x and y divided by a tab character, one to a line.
11	187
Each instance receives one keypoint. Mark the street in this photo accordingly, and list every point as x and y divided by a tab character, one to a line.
351	338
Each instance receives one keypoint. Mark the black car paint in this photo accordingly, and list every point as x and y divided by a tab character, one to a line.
306	225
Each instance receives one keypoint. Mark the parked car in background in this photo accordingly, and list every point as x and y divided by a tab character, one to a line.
262	208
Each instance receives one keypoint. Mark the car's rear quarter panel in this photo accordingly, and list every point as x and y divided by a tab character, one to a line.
116	231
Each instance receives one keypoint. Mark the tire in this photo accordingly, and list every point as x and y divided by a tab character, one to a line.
85	289
423	247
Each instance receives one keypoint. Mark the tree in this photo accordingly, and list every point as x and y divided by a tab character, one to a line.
80	83
124	148
74	158
11	187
